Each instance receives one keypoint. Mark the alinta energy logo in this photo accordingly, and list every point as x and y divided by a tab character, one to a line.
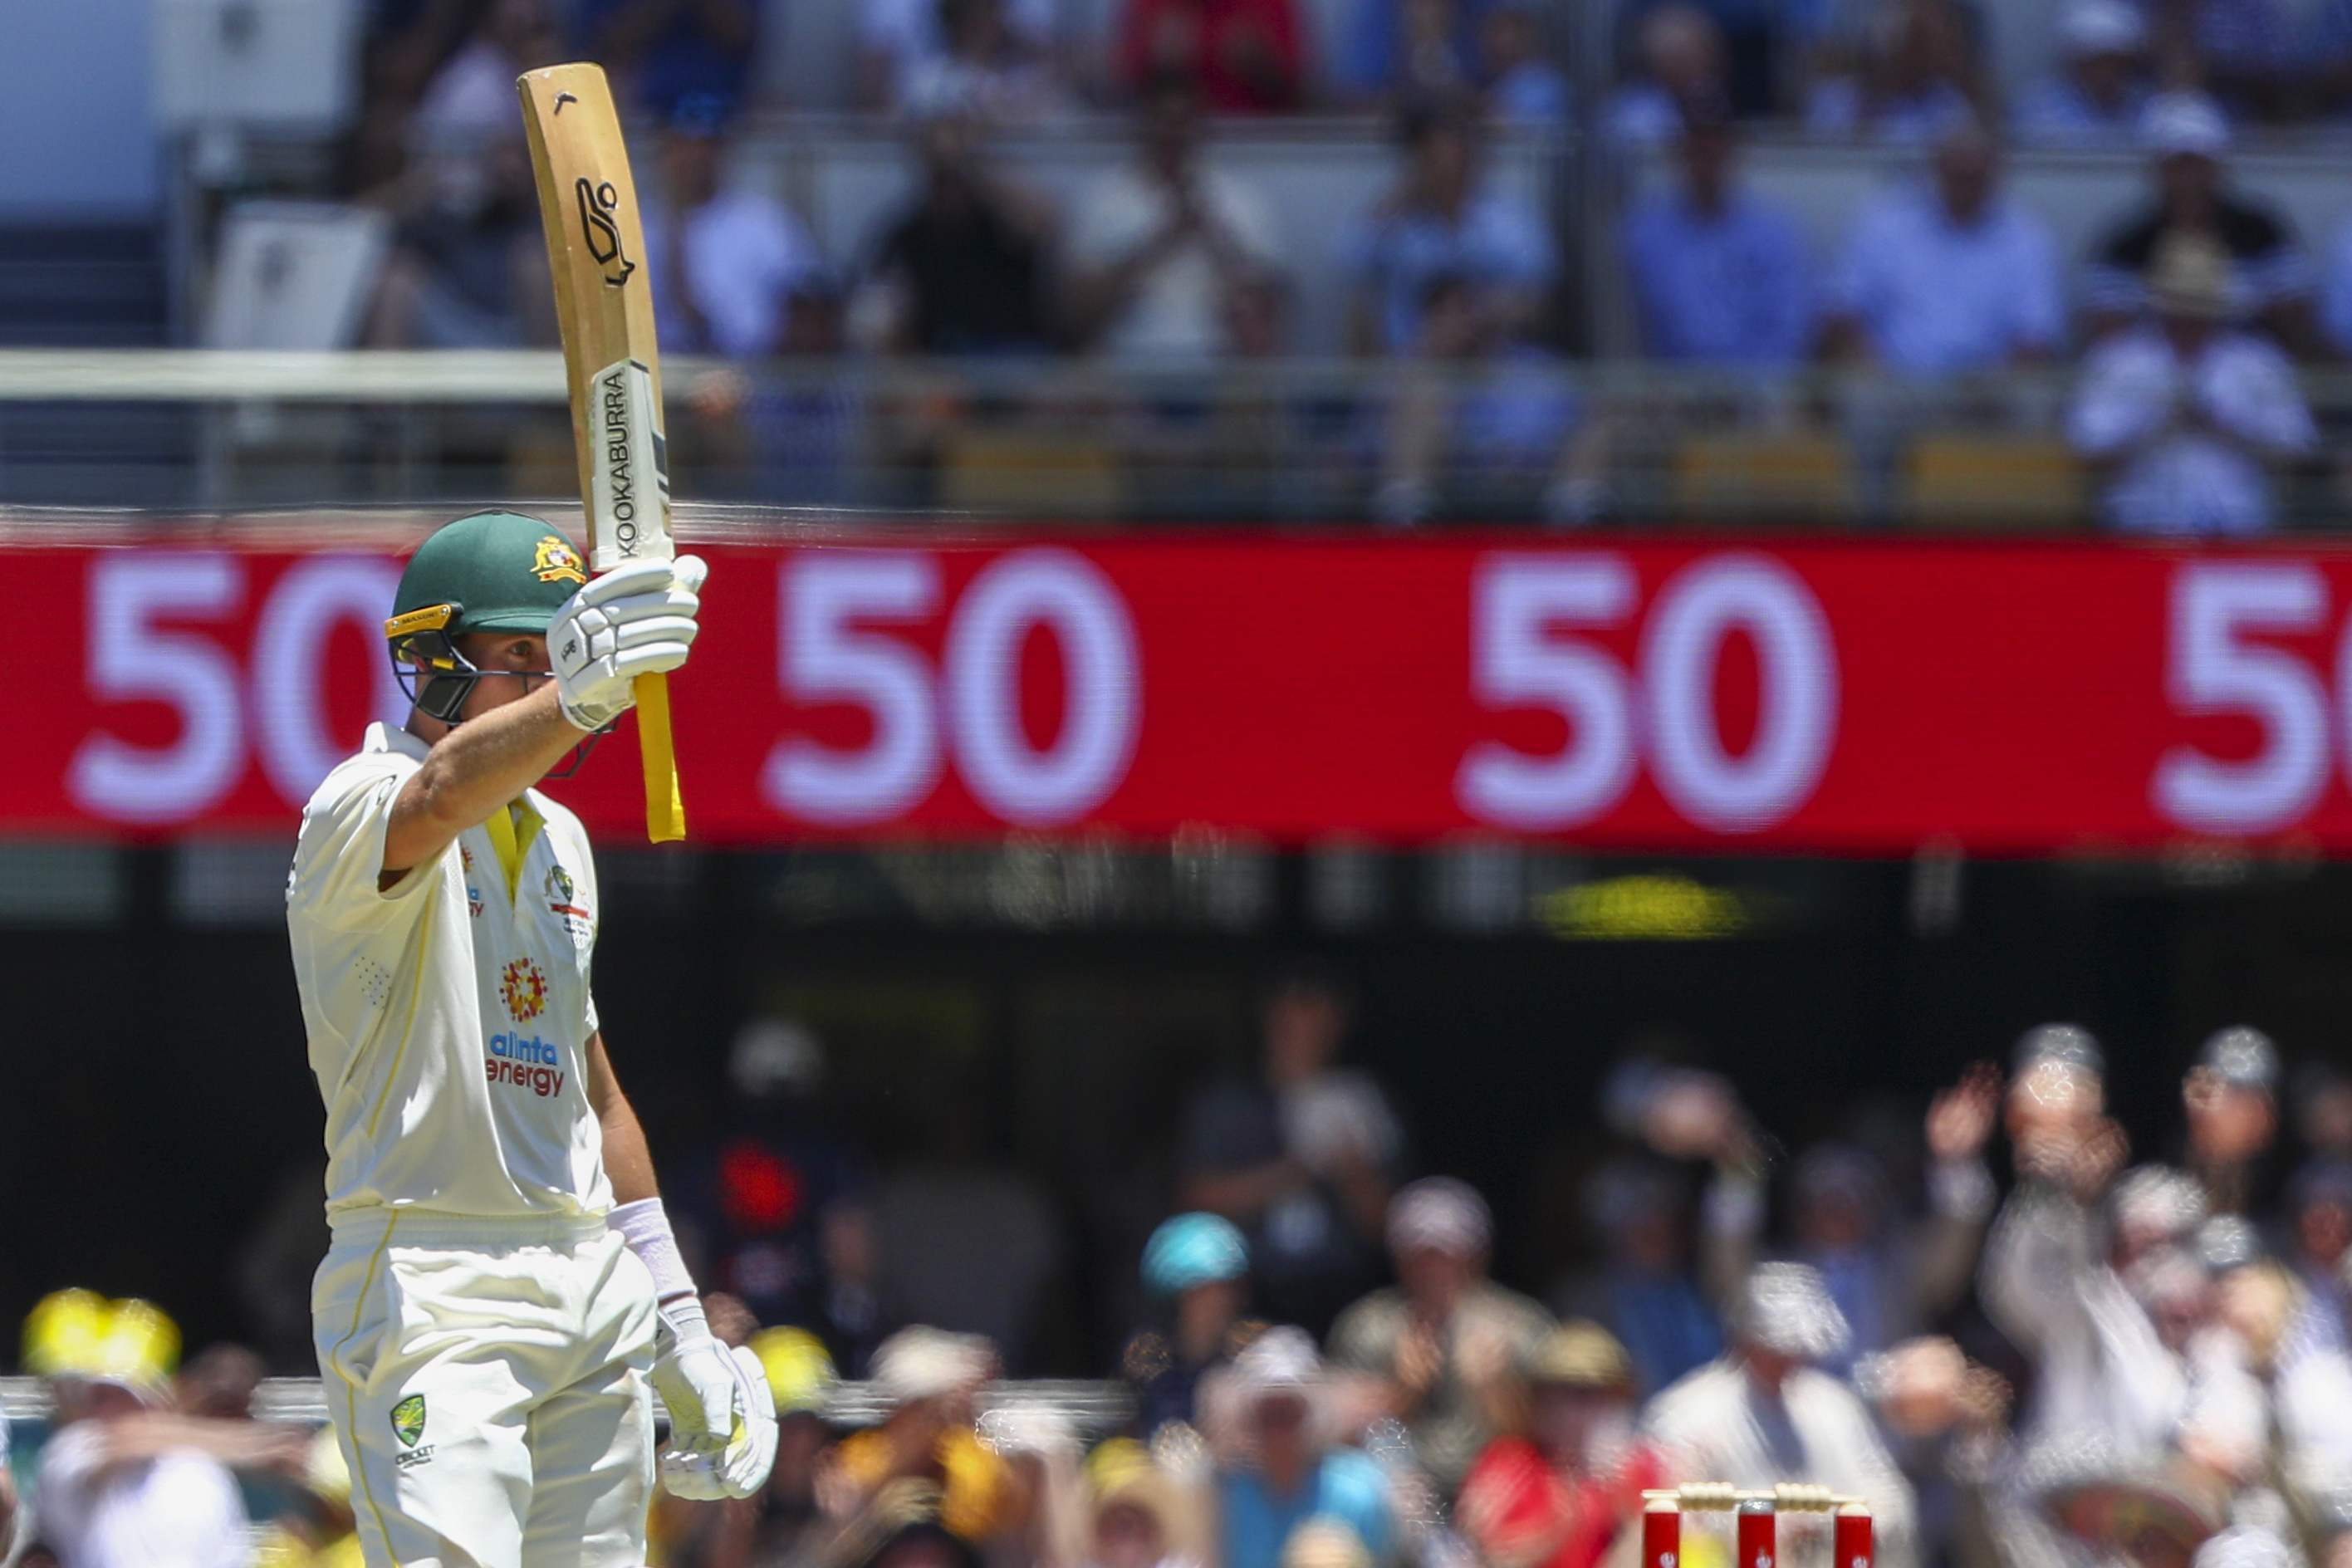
524	990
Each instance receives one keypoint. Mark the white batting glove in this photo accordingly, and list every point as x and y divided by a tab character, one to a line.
636	619
740	1469
695	1380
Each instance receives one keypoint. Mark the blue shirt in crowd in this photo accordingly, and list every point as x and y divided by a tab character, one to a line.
1498	244
2056	113
1731	287
1348	1486
680	61
1935	297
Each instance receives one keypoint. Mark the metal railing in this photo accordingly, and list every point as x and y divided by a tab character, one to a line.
1330	441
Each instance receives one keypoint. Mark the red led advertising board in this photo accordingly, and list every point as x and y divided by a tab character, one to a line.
1858	696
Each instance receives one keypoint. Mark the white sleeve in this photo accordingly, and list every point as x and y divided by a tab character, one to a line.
339	856
2251	392
2124	398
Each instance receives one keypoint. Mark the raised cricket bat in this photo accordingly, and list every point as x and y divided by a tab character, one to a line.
596	247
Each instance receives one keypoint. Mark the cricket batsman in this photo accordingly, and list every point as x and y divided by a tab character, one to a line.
502	1280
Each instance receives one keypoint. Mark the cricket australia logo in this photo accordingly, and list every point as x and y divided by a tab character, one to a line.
557	562
598	204
524	990
408	1425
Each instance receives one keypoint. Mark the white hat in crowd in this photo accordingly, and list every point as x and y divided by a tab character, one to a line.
1281	1360
930	1363
1787	1310
775	1056
2090	27
1439	1213
2184	124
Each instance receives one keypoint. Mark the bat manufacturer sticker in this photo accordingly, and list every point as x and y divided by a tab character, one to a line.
631	500
598	204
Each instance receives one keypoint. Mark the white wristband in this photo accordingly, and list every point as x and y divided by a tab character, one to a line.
645	1227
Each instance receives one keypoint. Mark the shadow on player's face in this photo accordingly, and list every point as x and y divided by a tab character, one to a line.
513	666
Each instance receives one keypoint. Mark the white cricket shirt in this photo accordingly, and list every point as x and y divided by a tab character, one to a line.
448	1022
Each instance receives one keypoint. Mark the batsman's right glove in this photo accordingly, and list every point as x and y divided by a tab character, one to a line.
740	1468
639	618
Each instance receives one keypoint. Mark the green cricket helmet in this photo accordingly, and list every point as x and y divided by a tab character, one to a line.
490	572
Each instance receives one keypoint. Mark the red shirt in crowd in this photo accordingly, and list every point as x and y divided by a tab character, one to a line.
1246	57
1518	1510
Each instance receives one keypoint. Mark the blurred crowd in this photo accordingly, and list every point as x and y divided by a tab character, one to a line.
2099	1356
2189	318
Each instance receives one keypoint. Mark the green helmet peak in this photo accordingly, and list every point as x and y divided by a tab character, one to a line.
495	571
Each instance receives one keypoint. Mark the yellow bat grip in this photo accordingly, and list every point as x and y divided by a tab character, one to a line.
665	807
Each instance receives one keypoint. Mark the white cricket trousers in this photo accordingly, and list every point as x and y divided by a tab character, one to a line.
487	1380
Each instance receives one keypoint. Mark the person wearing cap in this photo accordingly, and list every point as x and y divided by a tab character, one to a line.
126	1479
926	1463
1766	1412
1889	1274
2230	1098
2186	139
1196	1274
2184	416
1559	1493
502	1279
771	1212
2097	97
1444	1342
1137	1514
1281	1468
1950	275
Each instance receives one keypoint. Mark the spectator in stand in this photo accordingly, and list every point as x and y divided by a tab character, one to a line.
1645	1291
1301	1158
898	40
763	1216
2100	93
2187	139
126	1480
2185	414
1683	79
964	270
1949	276
1524	87
1718	275
926	1465
1138	1516
1945	1421
2276	60
1563	1493
982	73
783	1523
1444	221
1444	1343
1196	1271
2231	1095
1889	1277
1484	419
1405	52
733	272
667	51
1167	251
1242	56
1766	1413
467	268
1920	79
1282	1469
2319	1211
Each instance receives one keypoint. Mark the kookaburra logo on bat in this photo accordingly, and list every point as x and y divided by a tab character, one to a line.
597	204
